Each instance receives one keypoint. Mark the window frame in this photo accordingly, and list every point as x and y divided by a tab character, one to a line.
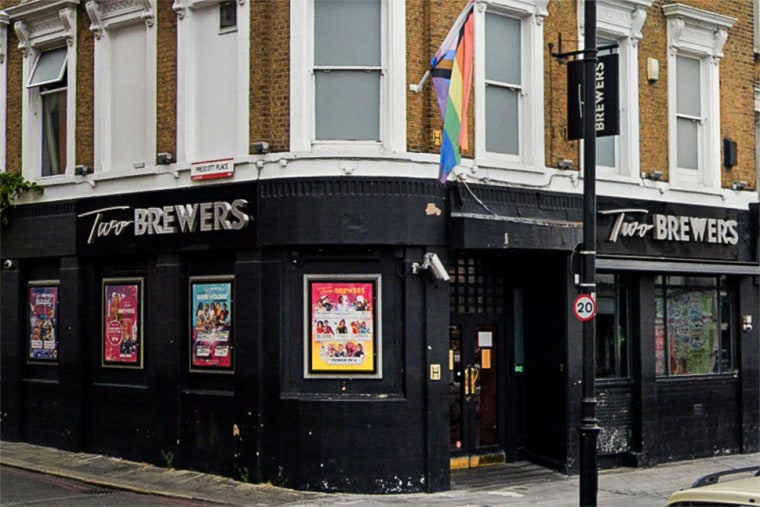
392	128
699	34
622	21
530	156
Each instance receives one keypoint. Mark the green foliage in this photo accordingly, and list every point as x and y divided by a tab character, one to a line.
12	185
168	459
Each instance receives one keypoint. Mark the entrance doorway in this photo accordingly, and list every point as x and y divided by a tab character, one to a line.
474	394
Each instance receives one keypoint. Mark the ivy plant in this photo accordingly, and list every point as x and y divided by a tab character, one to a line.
12	185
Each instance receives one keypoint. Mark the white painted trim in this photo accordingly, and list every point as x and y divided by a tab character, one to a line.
3	89
622	20
698	34
393	84
186	79
531	13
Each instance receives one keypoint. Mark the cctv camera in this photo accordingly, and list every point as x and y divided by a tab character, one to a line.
81	170
260	147
439	270
7	264
164	158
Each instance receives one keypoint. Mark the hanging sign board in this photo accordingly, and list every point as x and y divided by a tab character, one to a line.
606	97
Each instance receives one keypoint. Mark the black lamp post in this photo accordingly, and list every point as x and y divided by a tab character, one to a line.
589	429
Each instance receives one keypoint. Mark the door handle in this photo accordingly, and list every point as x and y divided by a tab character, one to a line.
474	377
471	377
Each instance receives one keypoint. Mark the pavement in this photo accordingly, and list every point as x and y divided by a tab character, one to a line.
511	484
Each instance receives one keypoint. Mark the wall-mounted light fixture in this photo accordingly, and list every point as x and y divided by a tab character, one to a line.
431	261
8	264
82	170
653	69
738	185
260	147
164	158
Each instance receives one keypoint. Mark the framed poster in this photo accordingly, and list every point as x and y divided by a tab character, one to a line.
42	346
342	326
211	324
122	322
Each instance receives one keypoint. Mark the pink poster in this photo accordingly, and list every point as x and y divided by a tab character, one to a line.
122	338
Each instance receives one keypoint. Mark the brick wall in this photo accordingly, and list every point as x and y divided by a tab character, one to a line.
166	78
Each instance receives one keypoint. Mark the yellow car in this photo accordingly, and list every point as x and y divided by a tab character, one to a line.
711	490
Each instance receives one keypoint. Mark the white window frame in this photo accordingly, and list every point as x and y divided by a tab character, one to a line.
41	26
106	17
3	88
531	14
186	82
757	134
622	21
756	25
697	34
392	90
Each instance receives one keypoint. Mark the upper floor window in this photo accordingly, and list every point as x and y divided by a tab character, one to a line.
621	22
46	33
48	79
348	75
213	76
695	40
125	84
509	84
693	326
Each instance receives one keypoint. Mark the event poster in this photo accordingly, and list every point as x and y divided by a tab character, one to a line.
343	322
43	323
211	324
122	331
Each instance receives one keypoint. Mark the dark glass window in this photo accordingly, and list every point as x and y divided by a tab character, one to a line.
612	327
227	16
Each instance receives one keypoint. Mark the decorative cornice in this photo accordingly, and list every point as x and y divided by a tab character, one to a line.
696	30
3	35
109	14
44	24
180	7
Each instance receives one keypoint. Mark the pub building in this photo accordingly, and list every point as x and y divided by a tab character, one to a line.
478	369
321	318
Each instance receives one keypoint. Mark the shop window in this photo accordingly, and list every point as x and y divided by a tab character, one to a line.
509	85
48	81
695	40
612	327
693	326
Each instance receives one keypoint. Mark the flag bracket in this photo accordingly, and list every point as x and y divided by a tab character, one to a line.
417	88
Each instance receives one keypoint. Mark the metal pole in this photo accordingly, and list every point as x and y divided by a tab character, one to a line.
589	428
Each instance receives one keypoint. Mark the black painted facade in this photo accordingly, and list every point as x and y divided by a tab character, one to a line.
266	421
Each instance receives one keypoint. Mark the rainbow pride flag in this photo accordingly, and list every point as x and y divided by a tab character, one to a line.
452	80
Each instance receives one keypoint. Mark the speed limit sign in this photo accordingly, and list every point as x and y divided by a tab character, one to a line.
584	307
